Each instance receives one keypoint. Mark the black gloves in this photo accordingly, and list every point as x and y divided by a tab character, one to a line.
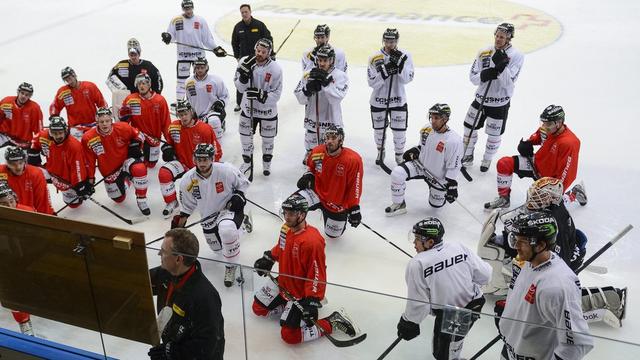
381	68
525	148
452	191
168	153
489	74
166	38
411	154
398	58
407	330
245	68
321	76
264	263
33	157
237	201
219	51
310	308
307	181
134	150
500	60
391	68
218	106
162	352
256	94
84	189
312	87
354	217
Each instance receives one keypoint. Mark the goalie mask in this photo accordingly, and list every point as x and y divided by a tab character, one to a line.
543	193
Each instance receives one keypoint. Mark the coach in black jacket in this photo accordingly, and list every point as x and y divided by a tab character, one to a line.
245	35
195	327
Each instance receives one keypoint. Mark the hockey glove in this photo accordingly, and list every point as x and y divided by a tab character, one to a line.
322	76
500	60
312	87
124	113
354	217
33	157
525	148
84	189
407	330
237	201
219	51
265	263
162	352
256	94
245	68
411	154
452	191
398	57
489	74
310	308
218	106
391	68
134	150
307	181
168	153
166	38
178	221
382	69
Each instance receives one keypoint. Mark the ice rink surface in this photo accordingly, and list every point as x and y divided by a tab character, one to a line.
590	69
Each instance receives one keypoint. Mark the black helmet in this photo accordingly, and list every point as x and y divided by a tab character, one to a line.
204	151
264	42
552	113
67	71
332	129
440	109
326	51
322	30
536	226
14	153
104	111
57	123
183	105
429	228
295	202
25	86
507	28
391	34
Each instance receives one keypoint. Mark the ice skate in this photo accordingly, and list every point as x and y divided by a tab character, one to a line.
169	209
339	320
484	165
143	206
266	168
245	168
396	209
247	223
499	202
380	157
579	193
26	328
229	275
467	160
399	159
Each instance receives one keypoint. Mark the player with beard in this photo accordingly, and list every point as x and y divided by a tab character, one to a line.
207	95
25	180
321	36
20	118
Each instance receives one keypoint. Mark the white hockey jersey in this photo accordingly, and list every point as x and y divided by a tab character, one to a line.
192	31
441	153
548	295
501	89
447	274
380	86
327	101
210	195
267	77
308	60
203	93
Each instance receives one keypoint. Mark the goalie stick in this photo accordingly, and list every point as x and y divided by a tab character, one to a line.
585	265
337	342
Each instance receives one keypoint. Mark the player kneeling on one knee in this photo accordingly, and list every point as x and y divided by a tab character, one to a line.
301	258
333	182
436	160
441	273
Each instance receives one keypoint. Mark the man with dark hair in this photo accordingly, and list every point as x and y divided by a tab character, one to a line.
245	35
190	309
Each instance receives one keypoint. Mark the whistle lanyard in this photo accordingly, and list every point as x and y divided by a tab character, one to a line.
180	284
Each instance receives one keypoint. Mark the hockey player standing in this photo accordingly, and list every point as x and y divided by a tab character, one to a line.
301	265
148	112
434	284
184	135
259	78
65	164
121	79
217	191
207	95
499	65
20	118
390	69
557	157
189	29
545	292
26	181
321	36
321	91
117	149
436	160
333	183
81	99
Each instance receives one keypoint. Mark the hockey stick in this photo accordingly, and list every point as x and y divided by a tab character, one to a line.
263	208
185	227
334	341
201	48
251	117
584	265
463	170
386	352
287	38
385	239
74	199
387	116
128	221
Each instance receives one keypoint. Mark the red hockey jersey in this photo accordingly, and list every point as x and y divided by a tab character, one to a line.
558	155
30	187
184	140
20	122
81	103
65	162
151	116
111	150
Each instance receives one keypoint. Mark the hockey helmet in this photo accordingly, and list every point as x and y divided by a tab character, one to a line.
183	105
507	28
440	109
67	71
390	35
103	111
187	4
25	86
204	151
552	113
57	123
266	43
322	30
14	153
140	78
133	45
295	202
544	192
429	228
333	130
535	226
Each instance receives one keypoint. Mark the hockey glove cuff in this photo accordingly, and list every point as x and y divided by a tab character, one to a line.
33	157
310	308
525	148
407	330
265	263
452	190
168	153
354	217
219	51
307	181
411	154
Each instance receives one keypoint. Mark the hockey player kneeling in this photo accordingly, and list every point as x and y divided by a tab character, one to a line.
442	273
300	255
333	183
217	191
545	292
435	160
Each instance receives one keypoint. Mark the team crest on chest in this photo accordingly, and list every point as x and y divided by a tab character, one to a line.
219	187
440	146
267	77
196	25
531	294
209	88
340	169
282	238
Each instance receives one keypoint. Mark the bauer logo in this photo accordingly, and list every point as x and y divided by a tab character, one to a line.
436	33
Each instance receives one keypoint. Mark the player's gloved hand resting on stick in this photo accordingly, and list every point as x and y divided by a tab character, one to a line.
265	263
407	330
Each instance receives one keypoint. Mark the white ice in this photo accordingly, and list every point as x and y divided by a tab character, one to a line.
592	71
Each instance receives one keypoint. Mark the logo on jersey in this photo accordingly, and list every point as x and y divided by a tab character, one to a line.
317	161
135	106
95	144
424	134
44	145
440	146
219	187
196	25
209	88
6	109
267	77
531	294
340	170
179	23
447	263
485	59
66	97
282	238
174	132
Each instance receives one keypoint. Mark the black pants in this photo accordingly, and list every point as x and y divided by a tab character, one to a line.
442	341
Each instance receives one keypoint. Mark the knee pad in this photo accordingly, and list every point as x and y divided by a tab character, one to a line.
165	175
506	165
268	296
398	118
378	116
334	228
117	191
258	308
291	335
